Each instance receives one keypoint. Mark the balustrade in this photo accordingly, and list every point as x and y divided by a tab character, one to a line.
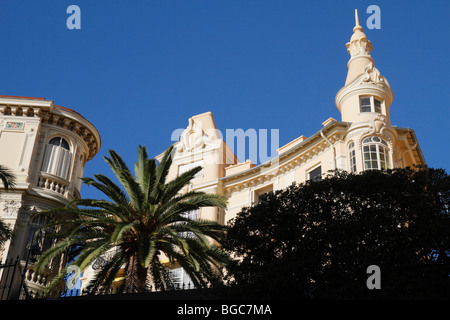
53	183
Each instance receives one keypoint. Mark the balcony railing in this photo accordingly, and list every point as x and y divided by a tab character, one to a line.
53	183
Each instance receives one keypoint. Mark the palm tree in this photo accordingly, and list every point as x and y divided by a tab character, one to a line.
139	226
5	233
8	180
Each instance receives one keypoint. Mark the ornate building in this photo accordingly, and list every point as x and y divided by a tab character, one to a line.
46	147
364	139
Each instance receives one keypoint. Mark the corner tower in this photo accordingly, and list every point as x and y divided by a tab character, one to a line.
371	143
366	93
46	147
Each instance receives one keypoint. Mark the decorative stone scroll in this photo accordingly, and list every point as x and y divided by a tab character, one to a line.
372	76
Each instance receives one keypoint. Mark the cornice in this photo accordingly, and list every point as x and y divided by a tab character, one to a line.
55	116
285	162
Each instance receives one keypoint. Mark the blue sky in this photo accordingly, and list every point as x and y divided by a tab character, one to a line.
139	69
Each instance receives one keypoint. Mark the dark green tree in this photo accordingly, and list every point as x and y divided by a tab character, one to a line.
142	220
317	239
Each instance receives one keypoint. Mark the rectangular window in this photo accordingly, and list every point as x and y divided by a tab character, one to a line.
192	215
260	192
377	104
181	279
365	104
186	167
315	174
352	161
369	104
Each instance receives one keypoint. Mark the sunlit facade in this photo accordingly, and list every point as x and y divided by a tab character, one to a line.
46	147
363	139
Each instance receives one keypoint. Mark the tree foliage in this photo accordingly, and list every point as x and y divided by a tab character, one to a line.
317	239
142	222
9	181
7	178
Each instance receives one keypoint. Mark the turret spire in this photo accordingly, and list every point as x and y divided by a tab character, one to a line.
359	48
363	80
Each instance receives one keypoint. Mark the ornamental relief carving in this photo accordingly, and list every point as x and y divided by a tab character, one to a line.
11	208
386	136
359	47
372	76
191	138
195	139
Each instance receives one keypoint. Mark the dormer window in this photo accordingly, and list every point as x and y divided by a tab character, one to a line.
370	104
57	158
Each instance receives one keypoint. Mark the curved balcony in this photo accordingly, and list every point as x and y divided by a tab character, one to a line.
53	183
34	283
60	186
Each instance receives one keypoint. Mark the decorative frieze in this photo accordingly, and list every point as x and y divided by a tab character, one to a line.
48	117
14	125
11	209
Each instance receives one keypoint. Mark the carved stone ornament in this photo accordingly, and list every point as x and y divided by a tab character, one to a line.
372	76
378	123
378	127
11	208
191	138
194	139
104	259
359	47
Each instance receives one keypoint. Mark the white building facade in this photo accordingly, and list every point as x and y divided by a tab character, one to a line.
46	148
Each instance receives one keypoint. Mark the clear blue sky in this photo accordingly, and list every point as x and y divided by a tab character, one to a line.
139	69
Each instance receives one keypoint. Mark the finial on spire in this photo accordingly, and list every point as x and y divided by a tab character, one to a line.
358	46
356	18
357	26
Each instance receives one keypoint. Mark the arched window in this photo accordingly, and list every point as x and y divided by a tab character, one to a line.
57	158
352	156
37	242
375	153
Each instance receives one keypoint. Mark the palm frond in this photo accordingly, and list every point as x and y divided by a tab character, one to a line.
59	248
7	177
121	229
127	180
173	187
106	275
108	187
161	172
143	217
145	172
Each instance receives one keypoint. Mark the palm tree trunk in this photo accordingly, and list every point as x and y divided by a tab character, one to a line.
136	276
